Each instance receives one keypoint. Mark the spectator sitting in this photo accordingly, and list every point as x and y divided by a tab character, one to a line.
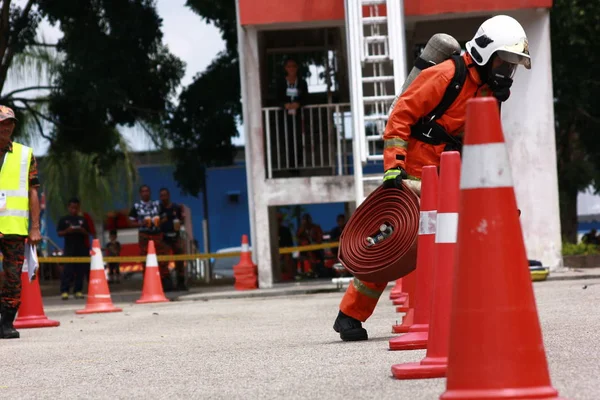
145	215
309	234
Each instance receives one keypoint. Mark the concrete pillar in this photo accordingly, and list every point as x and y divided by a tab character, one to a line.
255	151
274	243
528	123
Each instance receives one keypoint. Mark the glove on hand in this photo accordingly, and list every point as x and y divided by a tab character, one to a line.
393	178
501	87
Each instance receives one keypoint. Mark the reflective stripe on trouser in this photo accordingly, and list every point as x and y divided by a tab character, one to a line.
361	298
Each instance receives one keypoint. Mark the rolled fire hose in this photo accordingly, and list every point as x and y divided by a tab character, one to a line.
379	242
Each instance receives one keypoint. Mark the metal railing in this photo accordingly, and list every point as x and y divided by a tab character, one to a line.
315	138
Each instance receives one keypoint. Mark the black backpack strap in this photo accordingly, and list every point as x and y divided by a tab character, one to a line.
453	89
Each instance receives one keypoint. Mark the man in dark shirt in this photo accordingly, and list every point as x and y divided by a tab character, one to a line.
145	215
337	232
171	219
286	240
74	228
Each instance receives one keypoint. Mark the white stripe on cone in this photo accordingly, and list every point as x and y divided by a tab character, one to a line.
485	166
151	261
427	222
447	227
97	262
245	248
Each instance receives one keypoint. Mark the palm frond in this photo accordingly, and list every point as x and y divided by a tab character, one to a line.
77	175
36	65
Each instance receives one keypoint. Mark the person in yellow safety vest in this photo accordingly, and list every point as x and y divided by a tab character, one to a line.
499	46
19	184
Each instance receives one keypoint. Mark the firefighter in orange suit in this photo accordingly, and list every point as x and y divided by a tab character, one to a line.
415	138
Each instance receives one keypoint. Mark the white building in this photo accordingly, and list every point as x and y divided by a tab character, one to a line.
333	30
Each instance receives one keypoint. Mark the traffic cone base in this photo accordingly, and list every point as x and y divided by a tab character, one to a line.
410	341
98	300
400	300
35	321
152	299
419	371
396	289
98	308
407	321
403	308
31	312
152	290
542	393
419	328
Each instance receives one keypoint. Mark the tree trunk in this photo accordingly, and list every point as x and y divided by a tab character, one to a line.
568	212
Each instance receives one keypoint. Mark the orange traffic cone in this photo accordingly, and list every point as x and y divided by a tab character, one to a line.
408	285
152	290
396	291
435	362
98	300
31	312
407	320
245	272
418	327
496	346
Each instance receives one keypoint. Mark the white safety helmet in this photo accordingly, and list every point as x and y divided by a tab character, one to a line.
504	35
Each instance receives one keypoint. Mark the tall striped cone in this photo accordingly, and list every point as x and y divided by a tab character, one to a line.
496	346
419	327
152	290
98	300
435	362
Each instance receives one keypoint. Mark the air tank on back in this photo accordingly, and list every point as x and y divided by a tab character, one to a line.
439	48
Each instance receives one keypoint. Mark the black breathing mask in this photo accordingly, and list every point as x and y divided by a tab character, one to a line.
500	79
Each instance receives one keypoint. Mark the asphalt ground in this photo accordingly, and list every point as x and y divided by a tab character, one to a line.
263	348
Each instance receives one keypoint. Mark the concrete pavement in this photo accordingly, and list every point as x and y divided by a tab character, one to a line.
267	348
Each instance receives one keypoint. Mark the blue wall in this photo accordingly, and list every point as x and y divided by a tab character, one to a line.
228	221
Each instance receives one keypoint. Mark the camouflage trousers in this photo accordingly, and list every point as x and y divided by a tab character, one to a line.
13	250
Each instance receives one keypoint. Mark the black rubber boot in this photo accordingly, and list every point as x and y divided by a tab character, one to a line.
181	284
167	283
350	329
7	330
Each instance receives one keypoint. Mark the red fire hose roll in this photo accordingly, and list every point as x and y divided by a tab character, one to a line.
393	256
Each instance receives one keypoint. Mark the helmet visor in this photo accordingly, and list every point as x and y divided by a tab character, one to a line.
518	54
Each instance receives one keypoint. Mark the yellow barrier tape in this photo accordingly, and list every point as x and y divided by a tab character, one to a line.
177	257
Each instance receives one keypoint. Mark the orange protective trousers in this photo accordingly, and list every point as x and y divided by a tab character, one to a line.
361	298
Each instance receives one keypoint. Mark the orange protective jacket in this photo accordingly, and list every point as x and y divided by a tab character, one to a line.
419	99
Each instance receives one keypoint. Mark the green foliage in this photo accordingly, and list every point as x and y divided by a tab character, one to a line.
116	71
205	120
77	174
579	249
110	69
575	25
